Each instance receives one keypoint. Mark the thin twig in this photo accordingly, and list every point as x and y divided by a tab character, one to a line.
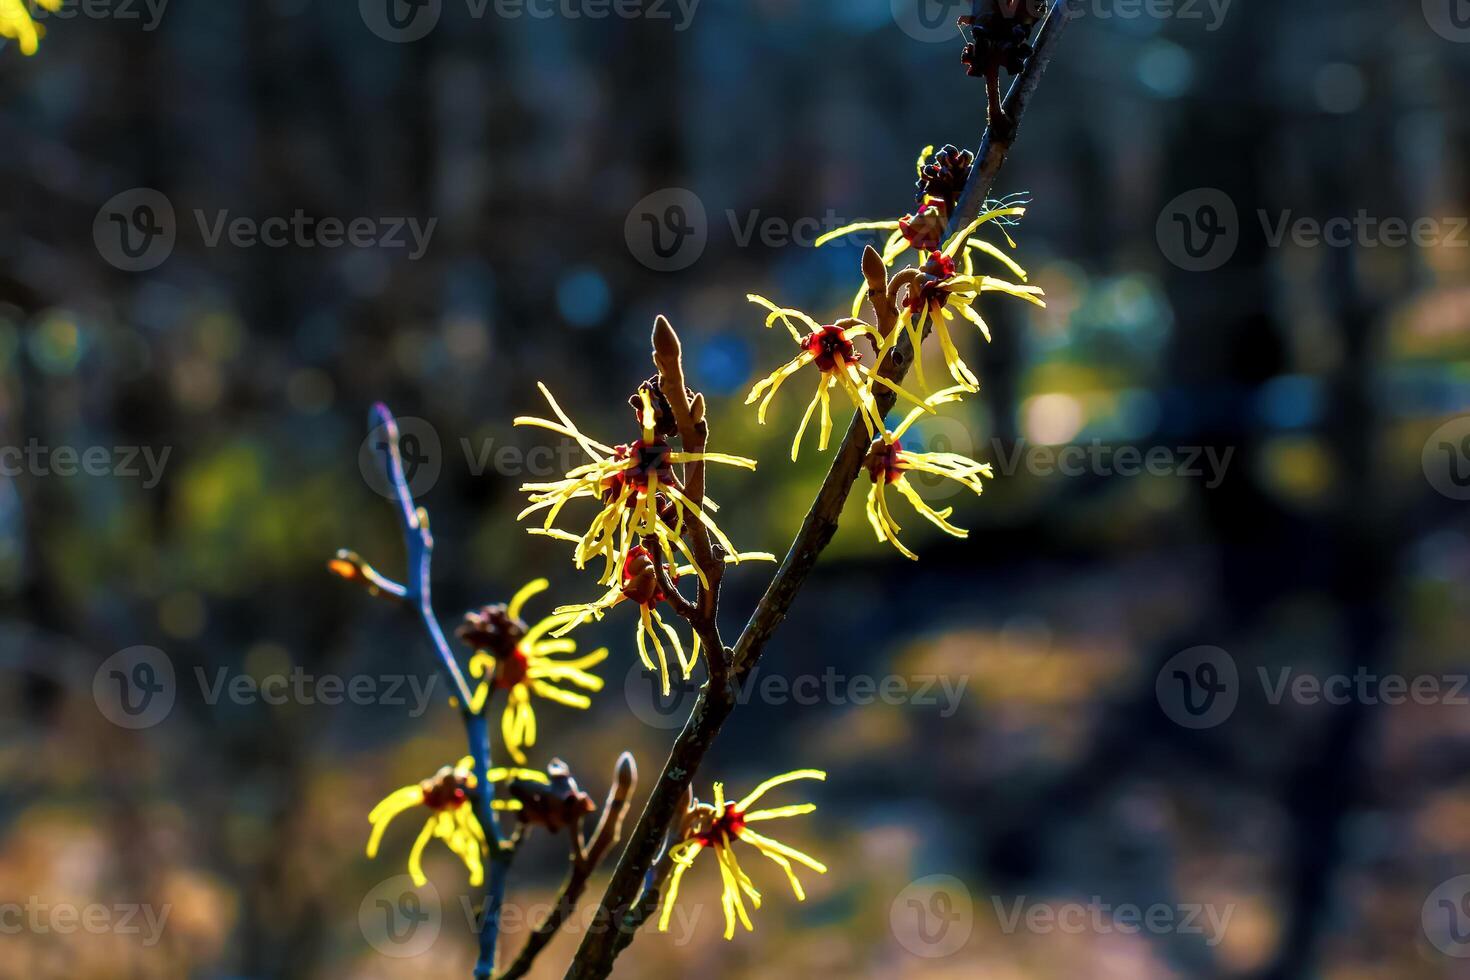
419	543
585	857
620	902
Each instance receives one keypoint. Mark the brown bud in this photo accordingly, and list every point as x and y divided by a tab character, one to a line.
556	805
491	629
873	269
626	775
346	565
665	342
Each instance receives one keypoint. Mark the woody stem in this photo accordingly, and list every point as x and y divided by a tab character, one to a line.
621	902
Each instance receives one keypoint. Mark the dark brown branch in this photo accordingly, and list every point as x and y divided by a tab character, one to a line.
668	357
620	903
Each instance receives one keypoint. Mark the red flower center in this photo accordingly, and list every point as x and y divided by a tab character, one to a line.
883	462
649	458
510	669
728	824
937	270
831	349
638	584
924	229
445	791
940	266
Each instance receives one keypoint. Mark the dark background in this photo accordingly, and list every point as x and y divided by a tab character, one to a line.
1061	776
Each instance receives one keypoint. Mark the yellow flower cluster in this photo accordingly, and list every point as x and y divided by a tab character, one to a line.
717	827
448	797
944	285
642	505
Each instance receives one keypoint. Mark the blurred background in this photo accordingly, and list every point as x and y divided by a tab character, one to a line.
1143	723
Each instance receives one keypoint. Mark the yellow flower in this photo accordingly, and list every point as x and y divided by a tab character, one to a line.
522	661
448	796
639	584
718	827
636	484
944	289
887	463
831	349
17	21
940	183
